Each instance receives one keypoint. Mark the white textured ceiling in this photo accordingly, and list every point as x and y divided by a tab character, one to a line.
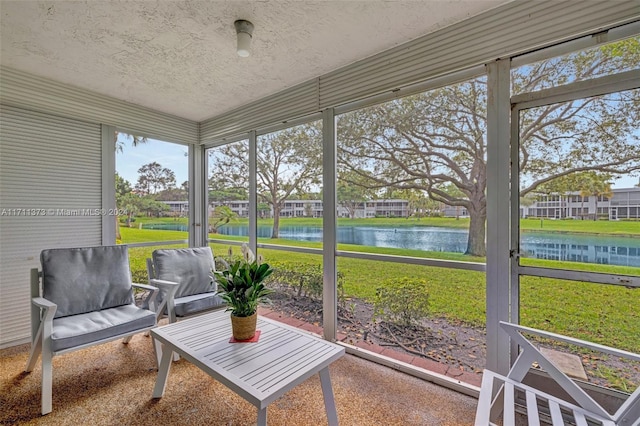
179	56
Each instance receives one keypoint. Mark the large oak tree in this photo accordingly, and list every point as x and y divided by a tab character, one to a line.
288	162
437	139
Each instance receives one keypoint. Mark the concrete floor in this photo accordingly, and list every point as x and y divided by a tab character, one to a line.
112	384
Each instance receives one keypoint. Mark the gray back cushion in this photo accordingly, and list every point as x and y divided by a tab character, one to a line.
189	267
81	280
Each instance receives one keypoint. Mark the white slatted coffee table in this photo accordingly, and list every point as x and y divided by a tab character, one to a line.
259	372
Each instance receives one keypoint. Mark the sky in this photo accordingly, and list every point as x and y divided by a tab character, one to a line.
626	182
172	156
169	155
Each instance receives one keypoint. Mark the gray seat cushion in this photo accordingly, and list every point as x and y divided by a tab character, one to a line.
187	305
76	330
191	268
81	280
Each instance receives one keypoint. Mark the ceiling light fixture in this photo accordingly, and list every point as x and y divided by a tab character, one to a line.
244	29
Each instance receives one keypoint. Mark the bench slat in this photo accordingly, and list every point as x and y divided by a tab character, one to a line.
532	409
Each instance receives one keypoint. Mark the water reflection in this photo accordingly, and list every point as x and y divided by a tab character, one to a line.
602	249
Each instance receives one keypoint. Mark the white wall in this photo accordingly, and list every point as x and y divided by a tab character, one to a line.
51	186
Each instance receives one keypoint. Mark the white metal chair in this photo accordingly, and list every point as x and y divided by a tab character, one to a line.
498	394
86	299
185	279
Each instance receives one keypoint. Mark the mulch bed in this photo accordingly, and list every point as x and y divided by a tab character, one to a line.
439	339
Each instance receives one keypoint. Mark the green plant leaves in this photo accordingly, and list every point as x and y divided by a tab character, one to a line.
241	285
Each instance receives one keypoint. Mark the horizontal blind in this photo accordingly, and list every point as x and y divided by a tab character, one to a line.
506	31
50	188
503	32
289	104
28	91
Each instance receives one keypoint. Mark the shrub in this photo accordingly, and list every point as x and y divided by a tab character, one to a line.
402	301
305	279
139	276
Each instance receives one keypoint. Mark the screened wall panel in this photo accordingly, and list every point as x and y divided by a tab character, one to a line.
508	30
502	32
50	181
31	92
294	102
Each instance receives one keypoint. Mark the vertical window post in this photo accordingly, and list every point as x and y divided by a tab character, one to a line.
198	234
498	214
253	192
329	228
108	184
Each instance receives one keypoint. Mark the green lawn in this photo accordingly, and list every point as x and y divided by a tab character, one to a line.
599	313
545	225
582	226
135	235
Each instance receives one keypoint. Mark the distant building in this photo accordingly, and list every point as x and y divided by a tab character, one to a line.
176	208
314	208
375	208
454	211
623	204
301	208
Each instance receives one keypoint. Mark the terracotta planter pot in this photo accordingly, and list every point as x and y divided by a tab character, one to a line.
244	328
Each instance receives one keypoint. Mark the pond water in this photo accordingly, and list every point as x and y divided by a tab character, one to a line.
602	249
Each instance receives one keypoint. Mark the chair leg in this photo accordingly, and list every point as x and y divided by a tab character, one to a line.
127	339
36	349
47	381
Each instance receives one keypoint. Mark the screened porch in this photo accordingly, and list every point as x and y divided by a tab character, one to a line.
412	180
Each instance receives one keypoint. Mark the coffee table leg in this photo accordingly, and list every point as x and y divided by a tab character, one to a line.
163	372
262	416
327	392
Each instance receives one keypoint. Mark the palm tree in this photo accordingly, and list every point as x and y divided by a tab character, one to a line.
601	189
583	193
221	216
594	184
120	143
121	138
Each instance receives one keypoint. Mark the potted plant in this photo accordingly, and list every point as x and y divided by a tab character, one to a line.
241	285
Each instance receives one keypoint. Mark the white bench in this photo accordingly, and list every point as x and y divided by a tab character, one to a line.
86	299
498	392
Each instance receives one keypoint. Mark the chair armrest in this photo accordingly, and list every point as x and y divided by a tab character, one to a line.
170	288
42	313
43	303
150	300
511	328
164	284
145	286
44	318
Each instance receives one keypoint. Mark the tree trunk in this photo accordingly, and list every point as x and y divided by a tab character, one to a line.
118	236
276	221
477	228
